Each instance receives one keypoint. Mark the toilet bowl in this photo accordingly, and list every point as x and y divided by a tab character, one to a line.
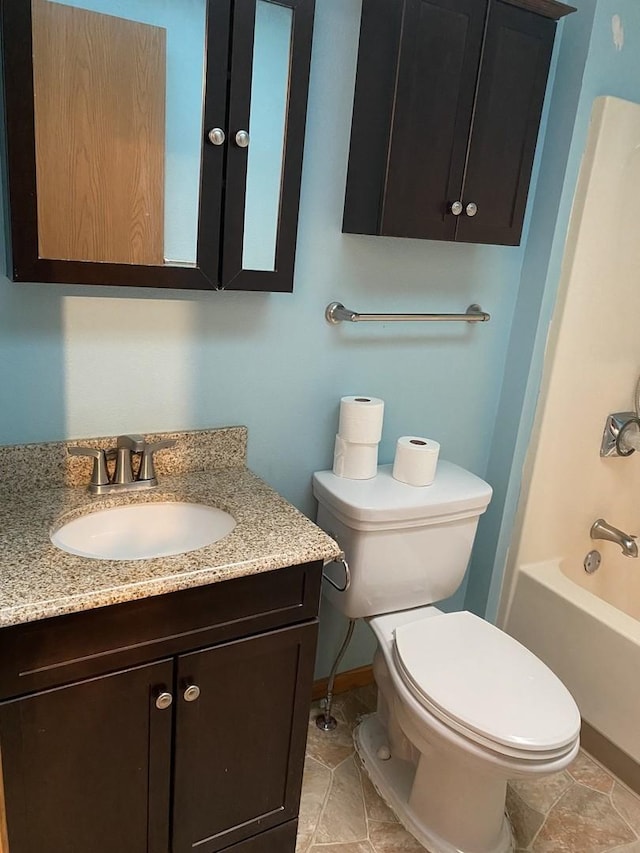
462	707
455	722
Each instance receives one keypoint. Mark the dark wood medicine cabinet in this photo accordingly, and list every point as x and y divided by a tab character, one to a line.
449	95
157	147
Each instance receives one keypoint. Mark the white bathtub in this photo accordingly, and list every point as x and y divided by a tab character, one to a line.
587	627
591	644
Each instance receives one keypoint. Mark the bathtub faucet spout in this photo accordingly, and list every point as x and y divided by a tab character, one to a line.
601	530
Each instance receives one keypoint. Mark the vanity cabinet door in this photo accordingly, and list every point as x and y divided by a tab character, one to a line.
241	723
280	839
86	767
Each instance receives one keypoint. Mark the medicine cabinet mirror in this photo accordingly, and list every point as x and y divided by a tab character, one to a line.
155	142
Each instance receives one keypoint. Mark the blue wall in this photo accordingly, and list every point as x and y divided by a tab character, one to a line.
77	362
590	64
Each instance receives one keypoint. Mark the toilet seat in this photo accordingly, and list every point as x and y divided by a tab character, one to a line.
485	685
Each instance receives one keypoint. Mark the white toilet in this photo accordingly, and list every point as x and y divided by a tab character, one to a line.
462	707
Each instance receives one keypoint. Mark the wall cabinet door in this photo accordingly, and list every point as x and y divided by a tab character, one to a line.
269	75
511	89
448	100
441	42
142	150
240	741
87	767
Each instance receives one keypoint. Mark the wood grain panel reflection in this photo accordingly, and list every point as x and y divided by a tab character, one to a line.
99	85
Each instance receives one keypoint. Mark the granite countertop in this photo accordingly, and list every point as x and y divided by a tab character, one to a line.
38	581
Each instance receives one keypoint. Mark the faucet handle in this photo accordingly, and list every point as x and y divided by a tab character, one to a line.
147	467
99	476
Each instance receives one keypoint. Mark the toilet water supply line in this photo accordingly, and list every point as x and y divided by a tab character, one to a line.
325	721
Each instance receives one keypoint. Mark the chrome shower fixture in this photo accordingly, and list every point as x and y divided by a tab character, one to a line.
621	436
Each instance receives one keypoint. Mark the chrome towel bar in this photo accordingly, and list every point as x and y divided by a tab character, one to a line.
336	313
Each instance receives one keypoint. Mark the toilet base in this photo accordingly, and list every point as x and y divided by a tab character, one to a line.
393	778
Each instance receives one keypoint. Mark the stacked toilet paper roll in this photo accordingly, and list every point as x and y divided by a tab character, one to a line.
416	460
359	432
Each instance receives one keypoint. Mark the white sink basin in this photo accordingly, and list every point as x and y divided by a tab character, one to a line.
143	531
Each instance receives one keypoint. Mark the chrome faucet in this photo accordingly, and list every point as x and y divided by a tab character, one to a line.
125	446
123	479
601	530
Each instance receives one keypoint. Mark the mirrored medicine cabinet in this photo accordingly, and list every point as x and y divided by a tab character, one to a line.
155	143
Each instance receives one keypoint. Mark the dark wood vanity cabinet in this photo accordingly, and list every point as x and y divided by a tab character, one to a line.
449	95
202	748
157	146
239	746
86	766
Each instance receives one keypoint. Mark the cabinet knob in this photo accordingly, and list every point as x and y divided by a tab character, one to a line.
163	700
456	208
217	136
242	139
471	209
192	693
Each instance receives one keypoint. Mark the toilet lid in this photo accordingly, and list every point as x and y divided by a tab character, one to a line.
476	678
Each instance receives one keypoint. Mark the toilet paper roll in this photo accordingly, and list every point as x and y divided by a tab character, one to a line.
416	460
361	419
355	461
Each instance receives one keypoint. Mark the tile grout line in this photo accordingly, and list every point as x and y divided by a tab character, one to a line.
608	795
360	770
321	763
619	847
312	842
621	816
615	781
324	806
572	784
549	810
355	758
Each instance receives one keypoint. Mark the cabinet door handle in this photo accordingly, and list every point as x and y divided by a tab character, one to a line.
217	136
164	700
471	209
242	139
191	693
456	208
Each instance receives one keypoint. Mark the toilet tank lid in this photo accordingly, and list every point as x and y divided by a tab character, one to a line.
454	491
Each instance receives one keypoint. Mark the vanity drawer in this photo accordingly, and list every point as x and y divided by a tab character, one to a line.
56	651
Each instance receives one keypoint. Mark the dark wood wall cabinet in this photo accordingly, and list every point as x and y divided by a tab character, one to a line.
163	150
176	723
449	95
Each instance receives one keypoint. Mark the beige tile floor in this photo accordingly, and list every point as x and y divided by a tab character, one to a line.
582	810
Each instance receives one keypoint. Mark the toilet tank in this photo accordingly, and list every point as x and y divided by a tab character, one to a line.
406	546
